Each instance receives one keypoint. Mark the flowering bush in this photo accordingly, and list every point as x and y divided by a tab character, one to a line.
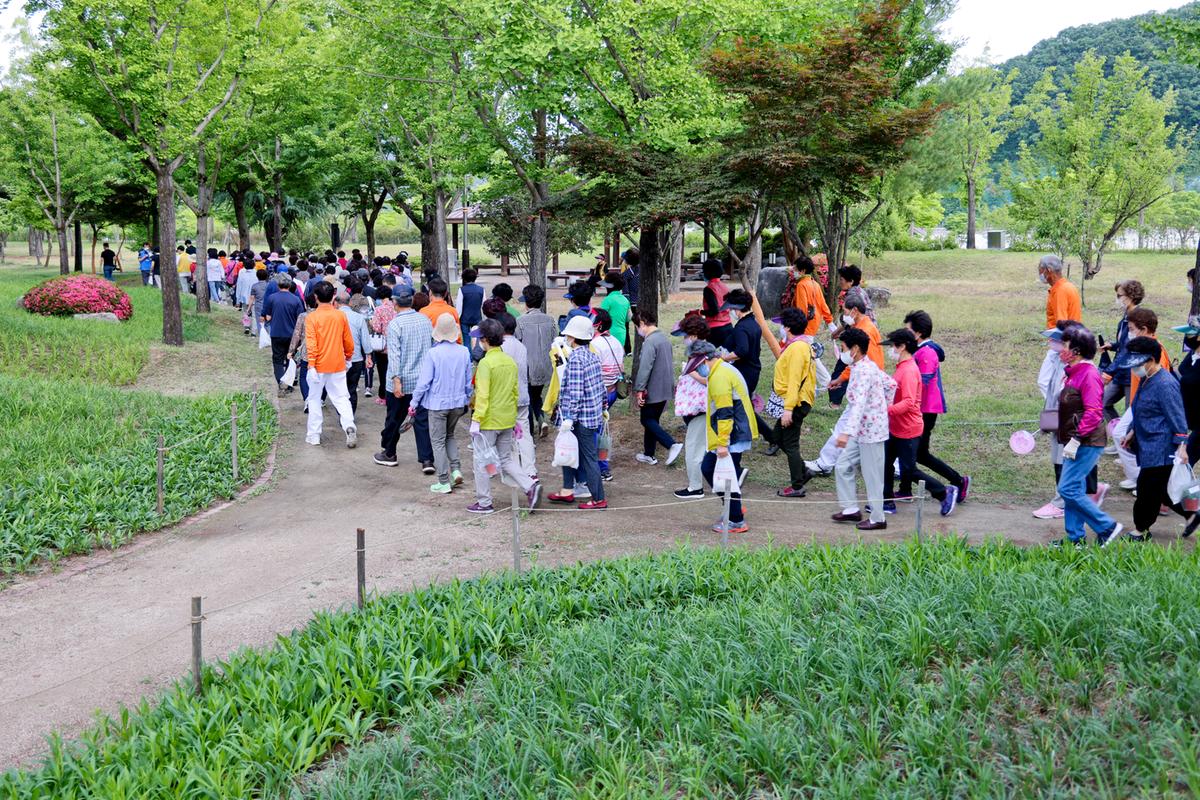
77	294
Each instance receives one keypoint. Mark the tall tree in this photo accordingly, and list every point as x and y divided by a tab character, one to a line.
155	76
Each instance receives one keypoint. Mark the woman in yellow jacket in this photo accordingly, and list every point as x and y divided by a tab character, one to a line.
732	427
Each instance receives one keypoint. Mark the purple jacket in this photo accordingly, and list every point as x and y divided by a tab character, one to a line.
933	397
1081	405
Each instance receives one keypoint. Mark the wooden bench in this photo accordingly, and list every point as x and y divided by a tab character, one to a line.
505	269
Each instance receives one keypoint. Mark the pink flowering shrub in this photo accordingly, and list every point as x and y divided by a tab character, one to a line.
78	294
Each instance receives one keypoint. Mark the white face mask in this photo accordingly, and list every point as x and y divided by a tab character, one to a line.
846	318
1140	370
846	358
895	353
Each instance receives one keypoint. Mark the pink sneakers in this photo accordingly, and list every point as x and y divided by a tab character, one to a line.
1049	511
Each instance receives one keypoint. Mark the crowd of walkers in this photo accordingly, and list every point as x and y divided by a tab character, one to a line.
496	362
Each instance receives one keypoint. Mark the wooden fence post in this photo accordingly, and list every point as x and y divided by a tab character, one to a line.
160	482
197	654
233	441
361	552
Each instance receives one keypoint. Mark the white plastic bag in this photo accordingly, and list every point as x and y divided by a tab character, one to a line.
378	343
1181	478
289	374
485	453
725	475
264	338
566	447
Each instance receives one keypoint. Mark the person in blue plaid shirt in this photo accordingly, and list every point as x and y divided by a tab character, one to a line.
581	407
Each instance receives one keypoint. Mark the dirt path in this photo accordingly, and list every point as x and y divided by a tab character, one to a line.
110	629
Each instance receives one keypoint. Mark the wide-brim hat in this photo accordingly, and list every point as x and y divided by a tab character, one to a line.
580	329
446	329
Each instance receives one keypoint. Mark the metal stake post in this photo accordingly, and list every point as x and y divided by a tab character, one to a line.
516	540
254	412
920	507
725	516
233	455
361	552
162	452
197	660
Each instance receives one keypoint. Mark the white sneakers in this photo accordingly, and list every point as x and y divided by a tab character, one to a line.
645	459
676	449
351	437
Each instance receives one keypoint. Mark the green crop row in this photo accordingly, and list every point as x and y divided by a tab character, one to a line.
78	463
908	632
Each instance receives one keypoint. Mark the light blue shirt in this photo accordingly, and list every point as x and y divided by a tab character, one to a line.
409	336
360	332
445	379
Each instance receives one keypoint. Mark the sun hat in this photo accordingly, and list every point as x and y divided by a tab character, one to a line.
579	328
1054	334
446	329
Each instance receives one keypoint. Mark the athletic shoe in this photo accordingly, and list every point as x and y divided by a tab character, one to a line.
456	478
384	460
772	449
351	437
689	494
674	452
313	440
1101	493
427	467
843	517
1128	485
734	527
1079	543
645	459
406	426
441	488
815	468
1193	523
868	525
950	502
1111	449
379	401
593	505
964	489
1049	511
544	429
533	495
476	508
791	492
606	476
1140	537
559	497
742	476
1112	537
306	408
889	506
367	392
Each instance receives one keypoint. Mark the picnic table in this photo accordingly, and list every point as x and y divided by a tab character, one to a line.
504	268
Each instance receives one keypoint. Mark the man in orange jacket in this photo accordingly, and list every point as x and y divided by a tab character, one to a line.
438	304
810	298
1062	300
330	347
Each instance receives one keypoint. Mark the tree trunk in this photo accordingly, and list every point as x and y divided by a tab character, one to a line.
429	239
678	237
3	247
665	246
539	246
970	213
49	250
277	201
95	232
1141	228
648	281
78	245
172	312
238	196
368	221
1195	307
752	264
64	254
203	301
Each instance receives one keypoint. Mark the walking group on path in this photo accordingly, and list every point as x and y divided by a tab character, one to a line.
511	372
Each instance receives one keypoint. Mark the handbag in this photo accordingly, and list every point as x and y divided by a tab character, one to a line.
1048	420
691	397
622	385
377	343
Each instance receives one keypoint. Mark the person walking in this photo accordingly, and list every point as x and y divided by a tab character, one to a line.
537	330
1062	298
523	445
409	335
1159	436
928	358
444	388
183	269
612	369
280	311
1139	322
691	404
496	401
438	292
581	408
145	263
864	432
744	342
214	275
618	307
469	303
1129	295
731	429
246	279
792	394
654	386
580	294
330	347
905	427
1081	432
108	259
385	312
360	360
810	299
298	350
712	301
258	295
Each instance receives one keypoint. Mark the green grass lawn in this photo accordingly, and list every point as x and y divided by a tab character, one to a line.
988	310
77	453
934	670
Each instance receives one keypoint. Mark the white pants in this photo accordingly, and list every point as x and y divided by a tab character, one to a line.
334	385
1128	459
523	445
695	445
866	458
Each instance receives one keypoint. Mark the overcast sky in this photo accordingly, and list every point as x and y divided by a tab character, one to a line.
1004	28
1007	28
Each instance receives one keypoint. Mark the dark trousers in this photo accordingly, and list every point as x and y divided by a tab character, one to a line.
1113	394
718	335
653	432
837	395
735	499
905	450
302	370
1152	493
788	440
279	351
589	464
536	415
369	375
381	362
1193	447
145	277
928	459
421	434
1093	479
353	374
397	412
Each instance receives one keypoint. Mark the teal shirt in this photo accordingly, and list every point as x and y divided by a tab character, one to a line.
617	306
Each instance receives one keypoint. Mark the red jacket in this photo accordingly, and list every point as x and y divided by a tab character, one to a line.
904	414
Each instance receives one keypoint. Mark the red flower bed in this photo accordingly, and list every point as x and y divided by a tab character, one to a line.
77	294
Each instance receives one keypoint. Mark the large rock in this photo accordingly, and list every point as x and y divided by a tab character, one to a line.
879	296
103	316
771	283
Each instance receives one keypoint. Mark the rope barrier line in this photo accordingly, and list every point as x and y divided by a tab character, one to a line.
168	448
700	500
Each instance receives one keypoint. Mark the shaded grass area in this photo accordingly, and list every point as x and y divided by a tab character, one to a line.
988	310
925	670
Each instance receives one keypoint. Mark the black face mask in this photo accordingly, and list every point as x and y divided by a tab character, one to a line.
1191	342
